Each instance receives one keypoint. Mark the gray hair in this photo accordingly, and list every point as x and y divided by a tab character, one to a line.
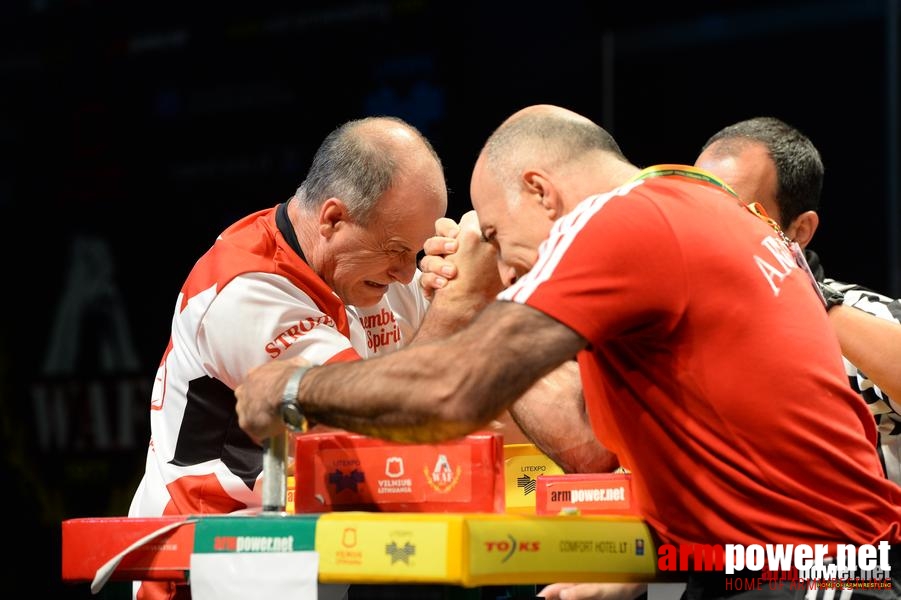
356	164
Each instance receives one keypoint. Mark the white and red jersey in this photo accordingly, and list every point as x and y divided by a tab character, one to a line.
711	369
250	299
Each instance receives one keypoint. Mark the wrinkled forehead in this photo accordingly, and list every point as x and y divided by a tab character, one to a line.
412	233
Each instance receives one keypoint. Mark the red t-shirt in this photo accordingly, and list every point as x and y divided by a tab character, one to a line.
711	370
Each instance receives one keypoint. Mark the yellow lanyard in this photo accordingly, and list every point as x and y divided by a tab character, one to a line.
754	208
684	171
757	209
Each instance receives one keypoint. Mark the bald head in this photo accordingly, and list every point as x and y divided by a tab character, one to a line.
536	167
369	202
360	160
547	136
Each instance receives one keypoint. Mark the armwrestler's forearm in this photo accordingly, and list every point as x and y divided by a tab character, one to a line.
441	389
447	316
552	414
872	344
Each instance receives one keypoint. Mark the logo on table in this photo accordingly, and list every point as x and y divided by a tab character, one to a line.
526	484
394	469
348	554
510	546
394	466
346	481
349	537
442	478
400	553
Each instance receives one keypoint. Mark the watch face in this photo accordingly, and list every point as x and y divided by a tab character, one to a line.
292	416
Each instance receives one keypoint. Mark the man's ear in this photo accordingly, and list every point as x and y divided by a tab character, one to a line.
543	191
803	227
332	214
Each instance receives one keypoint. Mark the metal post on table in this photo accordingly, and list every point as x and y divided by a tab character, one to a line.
275	481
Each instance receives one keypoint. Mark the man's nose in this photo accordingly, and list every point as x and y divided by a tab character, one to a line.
507	273
403	270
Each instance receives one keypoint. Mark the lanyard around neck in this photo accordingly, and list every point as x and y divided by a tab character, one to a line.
755	208
684	171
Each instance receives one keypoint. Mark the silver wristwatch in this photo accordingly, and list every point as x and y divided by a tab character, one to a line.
291	412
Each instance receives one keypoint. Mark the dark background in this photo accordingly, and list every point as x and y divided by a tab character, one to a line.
132	133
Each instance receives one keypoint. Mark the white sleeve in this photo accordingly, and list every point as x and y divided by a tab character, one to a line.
258	317
409	301
886	410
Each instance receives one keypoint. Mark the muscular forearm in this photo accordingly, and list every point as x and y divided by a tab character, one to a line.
445	388
392	398
448	315
872	344
552	414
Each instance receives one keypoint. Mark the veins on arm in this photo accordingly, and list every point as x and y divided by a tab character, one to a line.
442	389
552	414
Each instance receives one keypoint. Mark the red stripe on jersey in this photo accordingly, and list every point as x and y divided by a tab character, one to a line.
199	494
344	356
244	248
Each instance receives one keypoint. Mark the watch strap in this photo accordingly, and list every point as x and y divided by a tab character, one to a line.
291	412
